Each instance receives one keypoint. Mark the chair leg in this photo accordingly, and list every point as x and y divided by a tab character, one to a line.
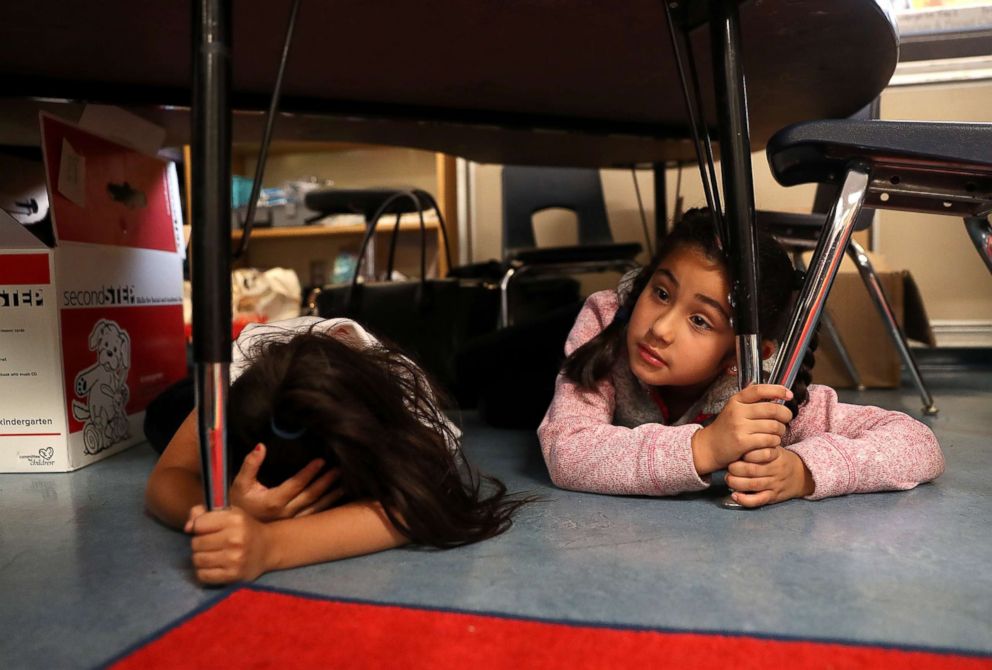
980	231
504	297
823	268
841	349
831	330
877	293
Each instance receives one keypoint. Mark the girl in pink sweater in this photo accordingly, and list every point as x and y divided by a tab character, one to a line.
647	401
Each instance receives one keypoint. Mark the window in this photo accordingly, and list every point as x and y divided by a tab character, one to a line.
943	40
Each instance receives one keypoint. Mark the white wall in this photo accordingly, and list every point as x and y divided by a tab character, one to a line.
955	284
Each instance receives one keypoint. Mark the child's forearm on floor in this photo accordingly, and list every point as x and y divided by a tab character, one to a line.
171	493
341	532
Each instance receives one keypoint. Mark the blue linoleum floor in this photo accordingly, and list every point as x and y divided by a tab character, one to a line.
84	574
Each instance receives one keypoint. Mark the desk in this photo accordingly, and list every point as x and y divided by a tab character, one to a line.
541	82
567	83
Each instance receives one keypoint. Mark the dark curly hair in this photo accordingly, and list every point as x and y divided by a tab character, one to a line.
373	414
777	290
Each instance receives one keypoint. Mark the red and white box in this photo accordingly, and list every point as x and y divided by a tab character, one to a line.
91	330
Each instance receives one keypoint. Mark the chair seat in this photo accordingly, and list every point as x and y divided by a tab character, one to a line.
587	253
943	168
364	201
818	151
790	224
800	226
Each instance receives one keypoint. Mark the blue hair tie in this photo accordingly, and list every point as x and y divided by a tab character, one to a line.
283	433
622	315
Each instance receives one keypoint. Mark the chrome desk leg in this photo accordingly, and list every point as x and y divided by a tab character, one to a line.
980	231
884	307
211	403
210	261
834	335
826	259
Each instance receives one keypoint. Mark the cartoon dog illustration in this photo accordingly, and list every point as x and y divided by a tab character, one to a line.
104	387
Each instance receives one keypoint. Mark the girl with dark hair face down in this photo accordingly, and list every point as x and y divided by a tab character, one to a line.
647	401
338	447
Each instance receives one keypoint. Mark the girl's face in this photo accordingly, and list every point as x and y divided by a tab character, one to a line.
679	332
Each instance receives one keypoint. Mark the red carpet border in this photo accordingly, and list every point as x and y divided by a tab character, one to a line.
263	629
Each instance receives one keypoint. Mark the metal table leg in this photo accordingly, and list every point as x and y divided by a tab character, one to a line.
738	190
658	174
210	258
738	187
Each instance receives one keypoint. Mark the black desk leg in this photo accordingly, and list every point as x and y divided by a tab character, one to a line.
660	203
210	262
738	186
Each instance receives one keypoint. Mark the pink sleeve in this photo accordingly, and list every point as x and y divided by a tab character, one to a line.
585	452
860	449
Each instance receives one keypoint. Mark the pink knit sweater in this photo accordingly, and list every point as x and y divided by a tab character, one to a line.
847	448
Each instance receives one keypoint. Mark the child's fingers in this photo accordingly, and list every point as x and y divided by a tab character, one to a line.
751	500
194	513
212	522
215	576
766	427
325	502
761	456
745	469
764	393
251	464
292	487
210	559
758	441
769	410
749	484
210	542
314	492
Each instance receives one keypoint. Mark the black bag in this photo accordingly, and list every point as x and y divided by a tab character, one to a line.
167	411
509	375
429	319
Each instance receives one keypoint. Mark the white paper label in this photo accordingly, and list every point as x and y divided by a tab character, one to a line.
72	175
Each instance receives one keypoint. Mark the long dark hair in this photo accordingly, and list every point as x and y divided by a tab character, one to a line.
777	287
375	415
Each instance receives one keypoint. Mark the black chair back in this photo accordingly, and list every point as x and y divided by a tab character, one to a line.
528	190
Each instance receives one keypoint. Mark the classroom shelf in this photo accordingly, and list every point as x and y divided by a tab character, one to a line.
283	232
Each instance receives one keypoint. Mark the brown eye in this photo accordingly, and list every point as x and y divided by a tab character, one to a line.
700	322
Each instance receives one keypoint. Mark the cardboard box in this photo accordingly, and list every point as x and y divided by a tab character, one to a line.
862	331
91	328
